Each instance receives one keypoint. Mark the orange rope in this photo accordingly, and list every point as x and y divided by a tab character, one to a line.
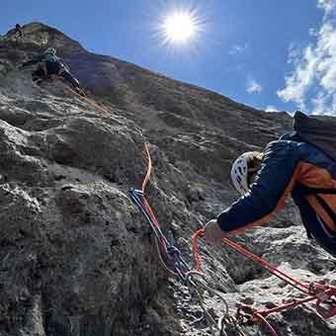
92	102
323	292
195	249
149	169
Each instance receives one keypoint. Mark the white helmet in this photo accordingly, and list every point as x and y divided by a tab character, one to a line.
51	51
241	168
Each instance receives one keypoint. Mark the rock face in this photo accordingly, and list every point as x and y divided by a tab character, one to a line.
76	257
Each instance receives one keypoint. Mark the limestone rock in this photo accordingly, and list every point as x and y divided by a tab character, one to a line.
76	257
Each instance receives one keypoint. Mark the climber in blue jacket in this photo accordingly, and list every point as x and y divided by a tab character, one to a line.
50	65
265	180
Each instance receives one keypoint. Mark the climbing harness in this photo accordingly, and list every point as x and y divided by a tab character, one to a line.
323	296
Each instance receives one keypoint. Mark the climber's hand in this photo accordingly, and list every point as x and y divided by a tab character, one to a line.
212	232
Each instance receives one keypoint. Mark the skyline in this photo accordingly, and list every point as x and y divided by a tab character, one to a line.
267	55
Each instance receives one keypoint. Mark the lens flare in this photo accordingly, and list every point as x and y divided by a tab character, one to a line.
179	27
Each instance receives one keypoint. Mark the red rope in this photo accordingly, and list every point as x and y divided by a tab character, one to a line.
265	323
294	303
245	252
195	249
265	264
148	208
321	293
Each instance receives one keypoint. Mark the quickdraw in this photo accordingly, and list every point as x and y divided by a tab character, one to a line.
170	255
322	295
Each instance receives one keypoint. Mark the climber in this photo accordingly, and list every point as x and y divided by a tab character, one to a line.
301	164
49	66
18	33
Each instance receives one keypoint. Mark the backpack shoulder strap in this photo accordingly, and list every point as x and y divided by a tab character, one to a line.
311	190
327	208
317	194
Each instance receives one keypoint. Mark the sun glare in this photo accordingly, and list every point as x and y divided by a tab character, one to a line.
180	27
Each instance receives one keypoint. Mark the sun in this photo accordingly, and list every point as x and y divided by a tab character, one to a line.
182	29
179	27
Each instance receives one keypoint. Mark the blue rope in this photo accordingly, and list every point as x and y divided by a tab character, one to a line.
135	195
173	254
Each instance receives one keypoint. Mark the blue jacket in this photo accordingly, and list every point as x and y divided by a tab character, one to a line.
42	58
53	63
289	167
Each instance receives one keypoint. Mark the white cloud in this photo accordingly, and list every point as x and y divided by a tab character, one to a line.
271	108
294	53
298	82
327	5
312	83
253	86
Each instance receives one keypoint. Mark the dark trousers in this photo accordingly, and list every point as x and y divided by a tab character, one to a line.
46	70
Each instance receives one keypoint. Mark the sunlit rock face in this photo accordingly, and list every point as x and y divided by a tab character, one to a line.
76	256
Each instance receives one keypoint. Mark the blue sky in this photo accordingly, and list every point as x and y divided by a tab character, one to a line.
268	54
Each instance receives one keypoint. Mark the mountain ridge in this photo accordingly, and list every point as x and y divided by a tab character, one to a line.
76	257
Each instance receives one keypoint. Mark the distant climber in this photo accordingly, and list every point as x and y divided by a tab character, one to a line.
50	66
18	33
302	164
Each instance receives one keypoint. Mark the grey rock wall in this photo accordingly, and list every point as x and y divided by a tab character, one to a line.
76	257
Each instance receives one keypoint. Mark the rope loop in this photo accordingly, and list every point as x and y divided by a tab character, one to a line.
324	295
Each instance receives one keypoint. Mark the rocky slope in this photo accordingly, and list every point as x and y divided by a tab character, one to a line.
76	257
